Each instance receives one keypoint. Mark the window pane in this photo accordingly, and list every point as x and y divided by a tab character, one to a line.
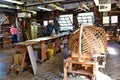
89	20
67	18
79	17
62	18
64	22
60	22
89	17
105	19
114	19
69	21
80	21
45	23
85	21
50	21
84	17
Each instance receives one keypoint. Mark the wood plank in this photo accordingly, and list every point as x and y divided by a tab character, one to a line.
83	62
83	72
32	59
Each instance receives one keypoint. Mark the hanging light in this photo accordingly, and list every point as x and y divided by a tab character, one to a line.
12	1
46	9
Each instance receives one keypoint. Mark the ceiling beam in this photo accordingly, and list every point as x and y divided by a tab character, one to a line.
55	1
115	11
41	3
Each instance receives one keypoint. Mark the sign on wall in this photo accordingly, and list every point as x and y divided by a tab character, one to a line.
24	15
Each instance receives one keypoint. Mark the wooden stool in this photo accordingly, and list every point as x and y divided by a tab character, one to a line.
20	60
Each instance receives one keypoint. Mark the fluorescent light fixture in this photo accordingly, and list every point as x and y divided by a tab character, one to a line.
6	6
2	5
12	1
44	2
24	15
104	7
46	9
96	2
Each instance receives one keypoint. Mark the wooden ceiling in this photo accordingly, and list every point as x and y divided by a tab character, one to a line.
33	4
66	4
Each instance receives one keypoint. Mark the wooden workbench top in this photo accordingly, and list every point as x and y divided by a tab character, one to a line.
26	43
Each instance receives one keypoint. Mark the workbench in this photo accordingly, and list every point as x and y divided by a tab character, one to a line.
24	52
42	55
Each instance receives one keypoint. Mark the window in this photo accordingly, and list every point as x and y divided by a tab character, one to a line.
50	21
86	18
106	20
65	22
114	19
45	23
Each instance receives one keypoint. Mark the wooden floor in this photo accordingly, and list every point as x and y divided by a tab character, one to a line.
53	69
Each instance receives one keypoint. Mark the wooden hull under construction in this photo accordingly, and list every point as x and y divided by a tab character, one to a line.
87	47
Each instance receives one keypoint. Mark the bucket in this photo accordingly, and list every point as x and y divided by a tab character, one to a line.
50	53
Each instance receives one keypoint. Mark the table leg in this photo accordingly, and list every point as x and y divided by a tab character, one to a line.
57	45
42	55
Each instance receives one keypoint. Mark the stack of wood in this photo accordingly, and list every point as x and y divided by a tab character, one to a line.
89	45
